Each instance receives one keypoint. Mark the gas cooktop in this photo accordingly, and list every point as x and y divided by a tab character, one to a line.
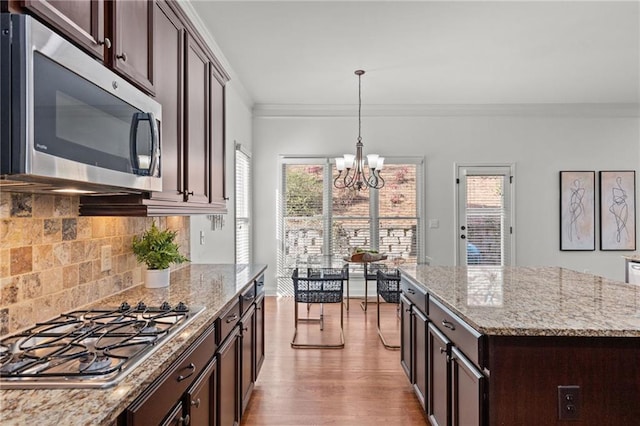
93	348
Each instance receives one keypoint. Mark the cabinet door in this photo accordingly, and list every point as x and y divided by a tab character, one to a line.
260	321
467	391
176	417
405	335
169	65
201	397
218	179
81	20
247	362
229	380
438	379
132	31
197	121
419	355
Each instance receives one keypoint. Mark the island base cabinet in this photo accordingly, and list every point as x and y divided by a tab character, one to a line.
439	374
260	328
248	337
405	336
419	359
467	391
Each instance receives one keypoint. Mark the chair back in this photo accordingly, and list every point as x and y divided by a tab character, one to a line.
318	286
389	285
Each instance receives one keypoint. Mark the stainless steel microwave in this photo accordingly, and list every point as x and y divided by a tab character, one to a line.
67	121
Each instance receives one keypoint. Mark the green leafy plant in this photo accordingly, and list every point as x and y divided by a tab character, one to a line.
157	248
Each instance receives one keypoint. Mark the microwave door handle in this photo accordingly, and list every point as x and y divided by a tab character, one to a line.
133	141
154	167
155	151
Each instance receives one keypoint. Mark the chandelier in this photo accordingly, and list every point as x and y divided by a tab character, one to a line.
351	168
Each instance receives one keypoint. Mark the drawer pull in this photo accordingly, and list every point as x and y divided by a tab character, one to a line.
184	420
232	318
196	403
411	291
191	367
448	324
443	350
247	298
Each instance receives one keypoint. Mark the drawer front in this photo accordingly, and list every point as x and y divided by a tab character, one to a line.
247	298
415	294
227	321
460	333
155	402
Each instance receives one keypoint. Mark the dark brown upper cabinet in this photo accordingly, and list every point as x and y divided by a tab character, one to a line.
190	86
132	31
118	32
82	21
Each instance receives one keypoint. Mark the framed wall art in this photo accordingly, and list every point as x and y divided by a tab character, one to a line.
618	210
577	210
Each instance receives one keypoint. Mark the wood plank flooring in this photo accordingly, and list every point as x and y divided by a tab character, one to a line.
361	384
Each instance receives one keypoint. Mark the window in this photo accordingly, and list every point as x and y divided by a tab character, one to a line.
319	222
243	206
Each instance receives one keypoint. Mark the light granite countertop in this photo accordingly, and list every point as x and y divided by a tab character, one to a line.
533	301
214	286
633	257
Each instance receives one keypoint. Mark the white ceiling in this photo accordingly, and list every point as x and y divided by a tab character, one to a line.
430	52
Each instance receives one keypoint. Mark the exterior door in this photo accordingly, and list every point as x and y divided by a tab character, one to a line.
484	217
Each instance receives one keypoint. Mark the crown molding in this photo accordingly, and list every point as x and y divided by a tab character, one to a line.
445	110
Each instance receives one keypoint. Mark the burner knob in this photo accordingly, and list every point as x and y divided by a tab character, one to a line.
181	307
124	307
141	306
165	306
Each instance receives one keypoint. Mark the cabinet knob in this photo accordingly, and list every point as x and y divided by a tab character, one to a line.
189	192
122	56
106	43
184	420
196	403
443	350
448	324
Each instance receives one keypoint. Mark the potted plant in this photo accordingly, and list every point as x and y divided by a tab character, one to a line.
158	251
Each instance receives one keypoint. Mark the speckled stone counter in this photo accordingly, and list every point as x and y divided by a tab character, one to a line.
633	257
533	301
214	286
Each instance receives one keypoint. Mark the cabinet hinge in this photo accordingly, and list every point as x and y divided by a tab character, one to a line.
511	229
510	179
457	180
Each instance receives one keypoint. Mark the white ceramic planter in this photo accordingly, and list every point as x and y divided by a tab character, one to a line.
156	278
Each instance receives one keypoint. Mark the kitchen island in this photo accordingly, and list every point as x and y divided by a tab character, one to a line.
521	345
216	287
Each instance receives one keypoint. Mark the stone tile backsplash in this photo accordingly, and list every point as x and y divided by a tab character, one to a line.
50	257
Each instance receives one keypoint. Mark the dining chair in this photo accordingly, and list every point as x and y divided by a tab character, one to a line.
320	285
388	288
370	274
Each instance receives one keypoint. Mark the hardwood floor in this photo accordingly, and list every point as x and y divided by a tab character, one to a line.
362	384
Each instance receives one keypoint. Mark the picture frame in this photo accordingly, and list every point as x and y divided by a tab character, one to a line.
577	210
618	210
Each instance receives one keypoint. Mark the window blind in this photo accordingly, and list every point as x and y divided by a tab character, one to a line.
243	206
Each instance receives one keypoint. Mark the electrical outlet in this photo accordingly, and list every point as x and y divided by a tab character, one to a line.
105	258
569	402
201	238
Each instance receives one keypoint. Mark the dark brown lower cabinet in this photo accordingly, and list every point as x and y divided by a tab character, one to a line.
201	397
405	335
228	357
420	373
157	404
260	323
438	371
467	391
248	338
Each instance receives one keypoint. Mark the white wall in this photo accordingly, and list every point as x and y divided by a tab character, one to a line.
219	245
539	144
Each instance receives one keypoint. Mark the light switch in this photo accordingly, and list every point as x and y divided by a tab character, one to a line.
434	223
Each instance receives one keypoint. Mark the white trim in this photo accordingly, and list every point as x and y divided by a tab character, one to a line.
443	110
